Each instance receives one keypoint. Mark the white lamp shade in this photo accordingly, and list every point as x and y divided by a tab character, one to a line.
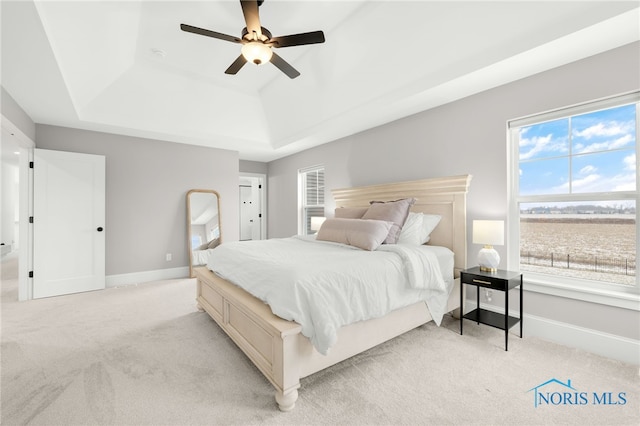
316	222
488	232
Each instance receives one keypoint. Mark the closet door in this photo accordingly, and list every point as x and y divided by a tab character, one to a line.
69	223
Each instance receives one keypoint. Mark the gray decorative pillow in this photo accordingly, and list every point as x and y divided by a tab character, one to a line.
350	212
364	234
213	243
391	211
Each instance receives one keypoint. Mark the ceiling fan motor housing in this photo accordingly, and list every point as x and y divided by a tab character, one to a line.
266	35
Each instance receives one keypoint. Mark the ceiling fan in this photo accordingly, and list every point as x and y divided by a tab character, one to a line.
257	41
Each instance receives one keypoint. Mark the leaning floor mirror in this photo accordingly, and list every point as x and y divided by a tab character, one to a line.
203	216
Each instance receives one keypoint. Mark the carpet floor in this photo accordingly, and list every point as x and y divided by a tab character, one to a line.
143	355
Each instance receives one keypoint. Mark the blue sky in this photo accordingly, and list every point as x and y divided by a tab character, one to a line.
603	144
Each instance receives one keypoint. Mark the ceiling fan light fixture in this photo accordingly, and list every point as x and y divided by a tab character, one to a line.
257	41
256	52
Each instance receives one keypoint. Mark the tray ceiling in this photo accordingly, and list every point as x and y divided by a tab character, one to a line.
126	68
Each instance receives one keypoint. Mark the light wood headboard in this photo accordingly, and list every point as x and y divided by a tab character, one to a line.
446	196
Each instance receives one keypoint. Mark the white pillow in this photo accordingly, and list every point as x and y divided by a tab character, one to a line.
429	223
361	233
417	228
411	232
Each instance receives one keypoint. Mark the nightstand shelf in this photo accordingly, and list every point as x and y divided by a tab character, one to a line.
499	280
491	318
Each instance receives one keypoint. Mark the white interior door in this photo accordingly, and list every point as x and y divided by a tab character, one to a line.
69	222
253	220
247	214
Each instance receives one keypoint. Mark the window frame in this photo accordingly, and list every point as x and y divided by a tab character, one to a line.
575	288
302	197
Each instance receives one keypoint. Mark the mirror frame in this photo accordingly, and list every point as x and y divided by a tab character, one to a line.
199	191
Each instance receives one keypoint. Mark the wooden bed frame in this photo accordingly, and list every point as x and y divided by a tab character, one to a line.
278	348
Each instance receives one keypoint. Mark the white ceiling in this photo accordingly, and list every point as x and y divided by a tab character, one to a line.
95	64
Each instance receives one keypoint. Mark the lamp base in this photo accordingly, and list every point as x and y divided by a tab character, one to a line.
488	259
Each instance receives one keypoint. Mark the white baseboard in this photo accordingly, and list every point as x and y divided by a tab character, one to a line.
146	276
605	344
597	342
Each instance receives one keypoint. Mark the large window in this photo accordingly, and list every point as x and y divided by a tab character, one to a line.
575	192
311	184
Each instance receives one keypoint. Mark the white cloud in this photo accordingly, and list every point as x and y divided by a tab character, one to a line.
604	146
630	162
612	128
587	169
623	182
535	141
598	183
588	181
538	144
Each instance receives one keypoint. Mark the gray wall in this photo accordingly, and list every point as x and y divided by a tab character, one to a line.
247	166
466	136
11	110
146	186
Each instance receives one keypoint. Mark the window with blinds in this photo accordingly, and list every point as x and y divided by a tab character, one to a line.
311	197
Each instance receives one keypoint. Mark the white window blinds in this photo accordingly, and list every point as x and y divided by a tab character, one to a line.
311	197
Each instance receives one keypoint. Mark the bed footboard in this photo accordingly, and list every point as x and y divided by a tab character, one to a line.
269	342
278	348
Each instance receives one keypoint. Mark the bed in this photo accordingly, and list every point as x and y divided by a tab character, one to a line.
277	346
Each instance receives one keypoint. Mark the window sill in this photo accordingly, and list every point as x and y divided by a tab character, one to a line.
543	284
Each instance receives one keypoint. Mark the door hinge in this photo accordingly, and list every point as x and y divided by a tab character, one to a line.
30	274
259	214
30	219
31	164
259	186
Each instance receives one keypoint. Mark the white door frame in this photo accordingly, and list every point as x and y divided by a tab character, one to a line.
25	190
262	178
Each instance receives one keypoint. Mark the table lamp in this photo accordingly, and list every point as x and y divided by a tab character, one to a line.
316	222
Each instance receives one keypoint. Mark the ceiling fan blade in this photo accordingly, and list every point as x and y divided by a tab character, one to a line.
284	66
251	16
209	33
236	65
312	37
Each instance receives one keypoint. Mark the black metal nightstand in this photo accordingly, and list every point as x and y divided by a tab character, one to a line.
501	281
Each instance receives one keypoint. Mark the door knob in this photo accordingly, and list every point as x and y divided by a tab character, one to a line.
100	228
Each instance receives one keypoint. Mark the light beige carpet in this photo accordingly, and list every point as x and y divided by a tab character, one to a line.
143	355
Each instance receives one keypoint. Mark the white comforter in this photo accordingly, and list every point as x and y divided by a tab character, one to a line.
323	286
200	257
